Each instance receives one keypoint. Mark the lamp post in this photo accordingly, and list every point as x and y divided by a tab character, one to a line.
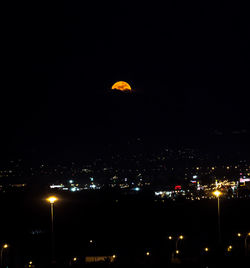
245	241
3	247
176	251
176	244
218	194
52	200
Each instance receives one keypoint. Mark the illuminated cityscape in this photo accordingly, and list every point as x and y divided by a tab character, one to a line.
163	180
168	173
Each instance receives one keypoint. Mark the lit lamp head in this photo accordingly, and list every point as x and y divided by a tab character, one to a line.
170	237
239	234
52	199
177	251
181	236
5	246
217	193
206	249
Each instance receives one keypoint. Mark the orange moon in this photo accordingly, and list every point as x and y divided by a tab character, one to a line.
122	86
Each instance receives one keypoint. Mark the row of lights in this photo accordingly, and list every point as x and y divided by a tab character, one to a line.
239	234
53	199
230	247
177	251
180	237
113	256
206	249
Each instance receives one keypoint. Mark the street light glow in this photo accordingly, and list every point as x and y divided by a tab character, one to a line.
217	193
170	237
177	251
147	253
206	249
239	234
5	246
181	236
52	199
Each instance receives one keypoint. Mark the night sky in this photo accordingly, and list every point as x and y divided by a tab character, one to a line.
188	64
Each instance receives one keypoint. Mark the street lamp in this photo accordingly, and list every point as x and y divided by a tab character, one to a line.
245	241
218	194
176	244
52	200
5	246
176	250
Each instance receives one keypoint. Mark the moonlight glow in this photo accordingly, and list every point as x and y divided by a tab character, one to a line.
122	86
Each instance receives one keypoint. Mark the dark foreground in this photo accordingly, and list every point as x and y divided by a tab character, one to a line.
134	229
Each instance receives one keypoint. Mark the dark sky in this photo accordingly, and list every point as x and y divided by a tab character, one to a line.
187	61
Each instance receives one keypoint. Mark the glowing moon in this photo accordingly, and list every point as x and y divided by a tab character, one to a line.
122	86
